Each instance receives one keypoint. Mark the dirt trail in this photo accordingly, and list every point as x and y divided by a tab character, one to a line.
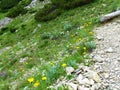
107	53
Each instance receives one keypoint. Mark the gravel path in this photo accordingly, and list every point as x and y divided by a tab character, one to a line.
107	53
105	73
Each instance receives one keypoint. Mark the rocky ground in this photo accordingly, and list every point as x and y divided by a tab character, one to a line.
105	73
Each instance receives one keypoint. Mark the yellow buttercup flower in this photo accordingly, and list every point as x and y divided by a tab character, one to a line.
31	58
77	47
64	65
84	53
30	80
51	63
84	48
91	33
89	22
79	39
36	84
44	78
26	63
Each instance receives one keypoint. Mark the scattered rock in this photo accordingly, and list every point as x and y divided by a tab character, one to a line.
72	86
94	75
99	37
23	60
69	70
98	58
109	50
79	78
106	75
83	88
118	59
5	21
3	74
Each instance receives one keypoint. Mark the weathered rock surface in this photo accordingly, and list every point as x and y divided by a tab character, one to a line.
5	21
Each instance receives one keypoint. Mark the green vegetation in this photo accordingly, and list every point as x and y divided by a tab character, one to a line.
51	11
18	9
7	4
68	4
34	55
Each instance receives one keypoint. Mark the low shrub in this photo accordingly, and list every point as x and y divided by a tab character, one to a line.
19	9
5	29
16	11
7	4
68	4
47	13
41	0
51	11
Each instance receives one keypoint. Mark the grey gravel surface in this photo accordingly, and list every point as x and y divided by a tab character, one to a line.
107	53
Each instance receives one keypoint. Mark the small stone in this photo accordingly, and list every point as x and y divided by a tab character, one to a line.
98	58
83	88
3	74
72	86
109	50
106	75
79	78
93	75
118	59
99	37
114	89
69	70
23	60
91	82
84	81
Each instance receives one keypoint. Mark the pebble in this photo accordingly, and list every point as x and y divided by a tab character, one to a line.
69	70
99	37
72	86
94	75
109	50
83	88
98	58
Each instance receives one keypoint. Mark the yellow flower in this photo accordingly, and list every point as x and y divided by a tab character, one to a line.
89	22
44	78
51	63
31	58
36	84
84	48
26	63
79	39
91	33
30	80
77	47
84	53
64	65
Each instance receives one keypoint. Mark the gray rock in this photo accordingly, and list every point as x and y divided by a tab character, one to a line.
69	70
79	78
3	74
72	86
93	75
98	58
99	37
83	88
118	59
106	75
109	50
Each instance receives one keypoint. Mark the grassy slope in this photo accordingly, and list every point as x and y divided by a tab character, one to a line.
53	42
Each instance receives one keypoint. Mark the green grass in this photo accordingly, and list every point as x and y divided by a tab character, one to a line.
2	15
41	51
